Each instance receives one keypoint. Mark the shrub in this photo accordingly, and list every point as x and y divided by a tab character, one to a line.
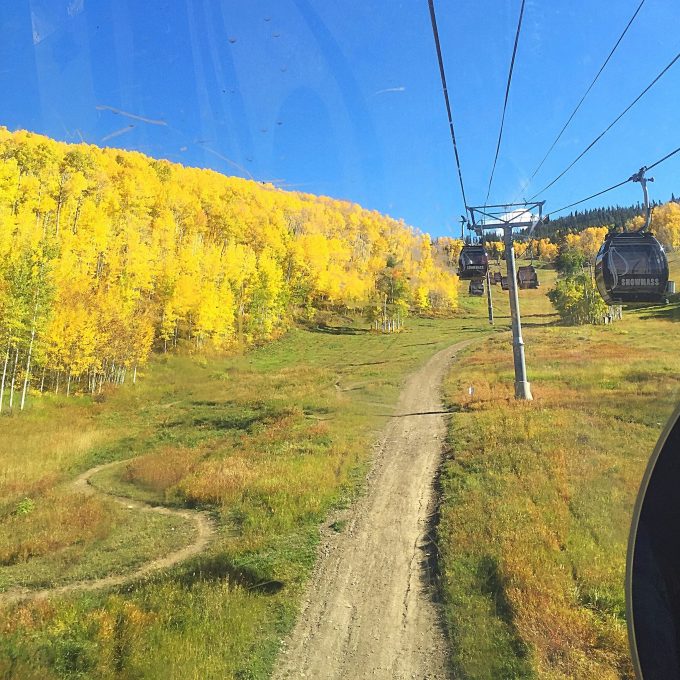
577	300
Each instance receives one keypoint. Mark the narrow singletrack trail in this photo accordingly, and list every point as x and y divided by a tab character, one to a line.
369	610
204	531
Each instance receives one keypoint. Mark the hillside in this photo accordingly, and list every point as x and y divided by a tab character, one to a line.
106	254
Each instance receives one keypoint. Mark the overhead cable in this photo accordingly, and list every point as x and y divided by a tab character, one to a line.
590	87
435	32
665	158
505	103
615	186
609	127
583	200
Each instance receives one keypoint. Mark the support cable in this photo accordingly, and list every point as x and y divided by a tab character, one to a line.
615	186
665	158
505	103
590	87
435	33
609	127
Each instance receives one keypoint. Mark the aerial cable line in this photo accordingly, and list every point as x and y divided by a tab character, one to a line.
505	103
590	87
583	200
665	158
615	186
609	127
435	32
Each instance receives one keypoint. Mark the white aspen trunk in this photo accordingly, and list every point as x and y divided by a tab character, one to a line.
60	201
14	375
56	388
68	383
75	219
37	212
134	376
15	207
4	374
58	218
42	380
28	367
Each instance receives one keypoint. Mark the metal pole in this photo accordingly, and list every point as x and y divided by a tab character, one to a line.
522	387
489	301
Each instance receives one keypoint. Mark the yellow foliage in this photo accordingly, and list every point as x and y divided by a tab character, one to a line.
666	225
105	252
588	241
545	249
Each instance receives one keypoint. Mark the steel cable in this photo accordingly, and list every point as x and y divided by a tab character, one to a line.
505	103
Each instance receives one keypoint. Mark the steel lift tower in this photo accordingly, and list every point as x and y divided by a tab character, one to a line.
509	216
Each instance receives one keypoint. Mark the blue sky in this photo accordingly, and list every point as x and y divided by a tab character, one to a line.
344	98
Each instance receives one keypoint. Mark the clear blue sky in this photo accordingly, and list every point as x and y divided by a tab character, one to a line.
344	98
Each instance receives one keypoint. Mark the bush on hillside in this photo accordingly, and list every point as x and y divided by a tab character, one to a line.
577	301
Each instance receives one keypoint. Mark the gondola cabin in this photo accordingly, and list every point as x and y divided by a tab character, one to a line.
473	262
631	267
527	277
504	283
476	287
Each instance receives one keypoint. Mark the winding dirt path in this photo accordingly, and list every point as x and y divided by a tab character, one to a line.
369	610
204	528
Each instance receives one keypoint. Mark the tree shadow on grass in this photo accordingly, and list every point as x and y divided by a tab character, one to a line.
491	585
666	313
337	330
219	568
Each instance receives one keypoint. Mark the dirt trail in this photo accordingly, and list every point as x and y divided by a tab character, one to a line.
204	527
369	611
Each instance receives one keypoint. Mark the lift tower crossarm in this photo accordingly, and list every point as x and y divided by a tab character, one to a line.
497	218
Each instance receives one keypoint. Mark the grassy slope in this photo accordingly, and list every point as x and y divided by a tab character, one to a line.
268	441
538	496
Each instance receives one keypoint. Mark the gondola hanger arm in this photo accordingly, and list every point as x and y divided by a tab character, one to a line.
639	176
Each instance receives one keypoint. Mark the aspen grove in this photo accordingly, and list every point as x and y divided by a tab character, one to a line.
107	254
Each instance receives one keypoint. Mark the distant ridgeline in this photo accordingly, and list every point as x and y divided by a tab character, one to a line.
616	216
105	254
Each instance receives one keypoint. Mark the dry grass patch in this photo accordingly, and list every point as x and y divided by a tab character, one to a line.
162	469
52	522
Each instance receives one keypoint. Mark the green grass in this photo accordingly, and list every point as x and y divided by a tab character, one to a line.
269	442
135	538
538	496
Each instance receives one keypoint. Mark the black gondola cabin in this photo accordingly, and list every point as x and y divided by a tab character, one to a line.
631	267
473	262
476	287
527	277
